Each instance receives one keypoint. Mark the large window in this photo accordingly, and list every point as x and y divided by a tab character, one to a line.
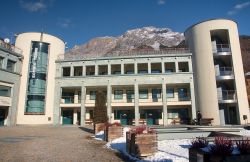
183	94
78	71
92	95
5	91
66	71
170	92
143	94
118	94
130	94
11	65
156	93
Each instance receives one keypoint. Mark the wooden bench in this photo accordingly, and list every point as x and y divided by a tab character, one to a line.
206	121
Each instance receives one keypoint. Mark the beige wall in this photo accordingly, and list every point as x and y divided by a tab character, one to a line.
57	47
199	41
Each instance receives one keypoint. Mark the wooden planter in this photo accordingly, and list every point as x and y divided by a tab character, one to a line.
197	155
99	127
141	145
113	132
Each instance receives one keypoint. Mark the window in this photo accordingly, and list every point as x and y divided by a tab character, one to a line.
169	67
66	71
92	95
116	69
130	94
182	94
90	70
156	93
142	71
153	71
183	67
11	65
170	92
143	94
78	71
118	94
5	91
1	62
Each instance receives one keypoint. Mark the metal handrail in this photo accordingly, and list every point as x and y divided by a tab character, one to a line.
10	47
223	47
68	99
123	53
226	71
227	95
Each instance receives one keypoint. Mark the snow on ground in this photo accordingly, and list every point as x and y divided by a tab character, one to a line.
99	136
245	132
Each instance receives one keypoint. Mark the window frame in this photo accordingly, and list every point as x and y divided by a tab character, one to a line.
118	96
140	94
172	94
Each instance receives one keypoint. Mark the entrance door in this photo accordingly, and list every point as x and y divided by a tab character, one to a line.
2	117
232	115
67	117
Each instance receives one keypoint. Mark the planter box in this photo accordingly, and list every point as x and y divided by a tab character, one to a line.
99	127
113	132
141	145
197	155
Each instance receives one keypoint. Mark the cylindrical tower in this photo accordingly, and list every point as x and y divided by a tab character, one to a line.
218	71
36	98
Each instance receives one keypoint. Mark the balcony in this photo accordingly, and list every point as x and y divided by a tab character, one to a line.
10	47
221	49
224	73
227	96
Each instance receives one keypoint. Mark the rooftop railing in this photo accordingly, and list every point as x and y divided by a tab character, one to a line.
65	57
227	95
10	47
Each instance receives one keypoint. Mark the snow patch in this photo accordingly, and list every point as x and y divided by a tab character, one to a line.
99	136
245	132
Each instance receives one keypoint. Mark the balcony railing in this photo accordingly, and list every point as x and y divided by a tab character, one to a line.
227	95
226	71
10	47
221	48
68	99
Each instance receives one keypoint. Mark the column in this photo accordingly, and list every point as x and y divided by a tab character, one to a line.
57	108
75	116
96	69
109	98
163	67
176	67
71	71
164	102
83	109
149	67
76	96
122	68
135	67
192	95
109	68
137	113
83	70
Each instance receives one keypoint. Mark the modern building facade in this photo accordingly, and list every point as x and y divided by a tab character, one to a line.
152	89
219	77
10	75
36	97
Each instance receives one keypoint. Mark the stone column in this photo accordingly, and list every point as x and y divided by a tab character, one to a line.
109	99
122	68
83	70
176	67
135	67
75	117
162	67
83	109
71	70
76	97
192	95
137	113
149	67
57	101
96	70
109	68
164	102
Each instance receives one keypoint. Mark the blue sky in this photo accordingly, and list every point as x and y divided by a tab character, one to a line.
78	21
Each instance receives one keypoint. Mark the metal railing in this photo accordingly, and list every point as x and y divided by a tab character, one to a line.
227	95
10	47
67	99
223	48
81	56
224	71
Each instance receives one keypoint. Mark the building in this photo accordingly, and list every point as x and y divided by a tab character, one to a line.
218	71
10	74
36	96
152	89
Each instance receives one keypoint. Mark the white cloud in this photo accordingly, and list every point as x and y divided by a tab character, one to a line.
238	7
35	5
64	23
161	2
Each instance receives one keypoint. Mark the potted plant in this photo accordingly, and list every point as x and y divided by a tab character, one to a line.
113	131
195	151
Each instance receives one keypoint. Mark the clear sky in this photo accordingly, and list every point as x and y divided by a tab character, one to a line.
78	21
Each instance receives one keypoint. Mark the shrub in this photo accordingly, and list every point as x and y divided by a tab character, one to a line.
199	143
222	146
243	146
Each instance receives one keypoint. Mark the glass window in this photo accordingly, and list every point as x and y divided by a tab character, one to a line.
78	71
183	67
182	94
143	94
156	93
118	94
11	65
1	62
130	94
170	92
66	71
92	95
5	91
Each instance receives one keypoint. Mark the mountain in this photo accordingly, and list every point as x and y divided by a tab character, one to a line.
141	39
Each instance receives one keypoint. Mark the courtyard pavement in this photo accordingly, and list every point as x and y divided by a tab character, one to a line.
52	144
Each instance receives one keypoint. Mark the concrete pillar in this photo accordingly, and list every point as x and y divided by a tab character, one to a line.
96	70
176	67
192	95
75	117
137	113
164	102
163	67
109	68
83	109
109	99
71	71
57	108
136	67
122	68
83	70
76	96
149	67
